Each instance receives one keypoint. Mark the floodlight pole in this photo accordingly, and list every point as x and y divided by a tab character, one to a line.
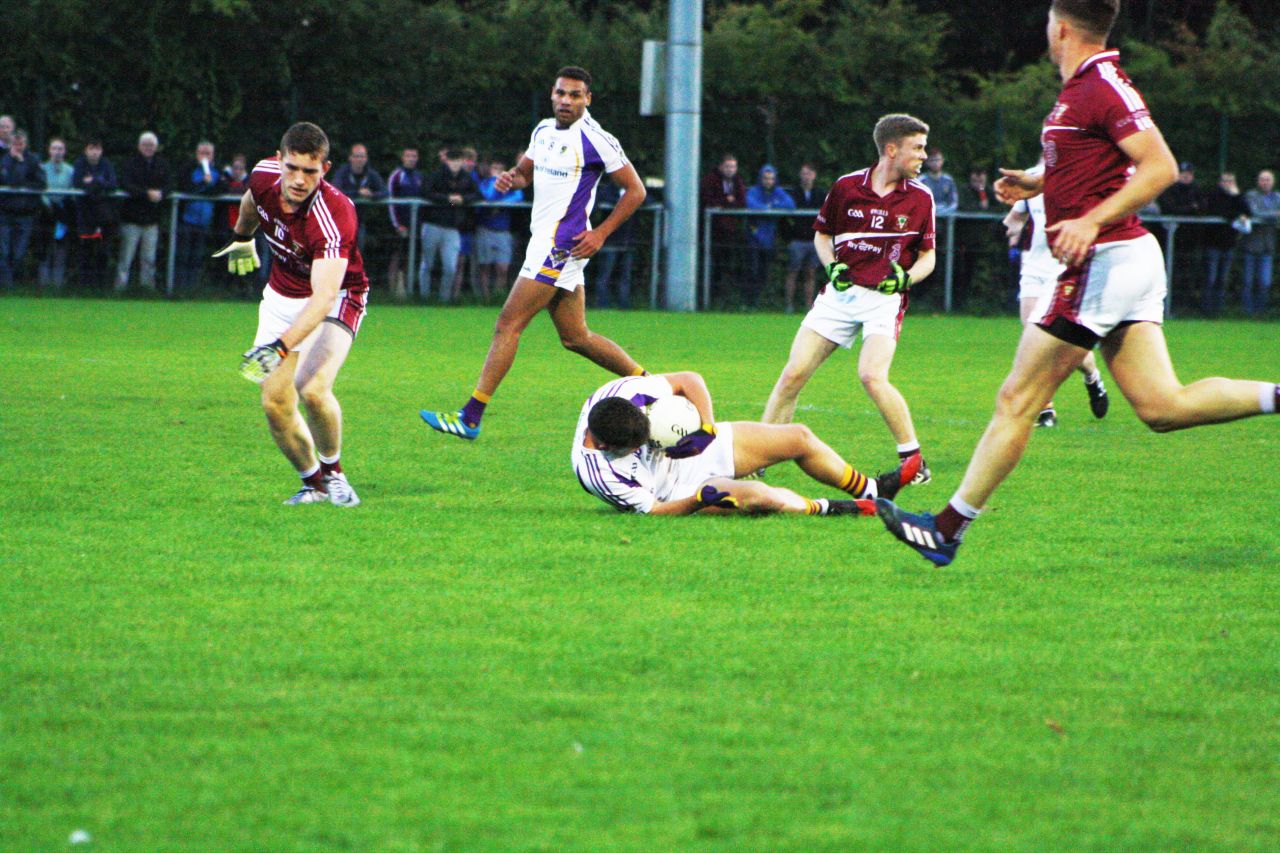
684	143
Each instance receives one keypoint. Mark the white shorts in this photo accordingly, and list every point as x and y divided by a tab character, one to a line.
839	316
551	264
1121	282
1033	286
276	313
688	475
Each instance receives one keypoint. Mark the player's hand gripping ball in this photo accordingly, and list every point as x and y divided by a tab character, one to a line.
671	419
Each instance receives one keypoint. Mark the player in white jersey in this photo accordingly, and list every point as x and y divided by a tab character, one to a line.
614	460
566	158
1039	276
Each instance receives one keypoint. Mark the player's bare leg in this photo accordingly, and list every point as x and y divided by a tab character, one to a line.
290	431
1041	365
1098	401
808	351
756	498
569	313
873	371
1139	361
316	374
757	446
526	299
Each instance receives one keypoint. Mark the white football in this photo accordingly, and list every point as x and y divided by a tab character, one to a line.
671	419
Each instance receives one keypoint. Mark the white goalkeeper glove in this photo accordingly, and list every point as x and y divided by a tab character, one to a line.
259	362
242	258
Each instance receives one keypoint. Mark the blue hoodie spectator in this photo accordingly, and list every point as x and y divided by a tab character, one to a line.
767	195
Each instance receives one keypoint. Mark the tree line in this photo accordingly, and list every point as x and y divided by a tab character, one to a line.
784	81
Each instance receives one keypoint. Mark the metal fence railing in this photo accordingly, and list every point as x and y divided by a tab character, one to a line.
947	241
650	242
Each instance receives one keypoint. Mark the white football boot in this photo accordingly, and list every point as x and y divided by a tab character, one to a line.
307	495
340	491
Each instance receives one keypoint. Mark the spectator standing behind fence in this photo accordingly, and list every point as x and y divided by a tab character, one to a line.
405	182
19	169
360	181
724	187
762	234
449	188
1259	244
1226	201
7	127
467	227
802	256
973	236
946	198
614	261
1183	198
59	214
494	241
200	176
145	177
94	174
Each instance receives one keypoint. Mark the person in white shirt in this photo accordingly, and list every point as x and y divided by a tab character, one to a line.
566	158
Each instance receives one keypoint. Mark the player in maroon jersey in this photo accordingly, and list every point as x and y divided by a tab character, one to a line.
311	308
875	234
1104	159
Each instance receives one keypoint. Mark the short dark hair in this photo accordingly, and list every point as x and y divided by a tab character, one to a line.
895	127
617	423
305	138
574	72
1095	17
453	154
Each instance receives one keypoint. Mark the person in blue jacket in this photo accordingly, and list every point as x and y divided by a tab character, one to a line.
762	234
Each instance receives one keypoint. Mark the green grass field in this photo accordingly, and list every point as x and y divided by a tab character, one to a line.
483	657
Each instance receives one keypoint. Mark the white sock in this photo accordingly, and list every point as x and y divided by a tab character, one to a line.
959	505
1267	397
908	447
329	460
1092	378
824	506
310	473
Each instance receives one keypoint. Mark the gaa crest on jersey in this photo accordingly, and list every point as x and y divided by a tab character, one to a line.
902	221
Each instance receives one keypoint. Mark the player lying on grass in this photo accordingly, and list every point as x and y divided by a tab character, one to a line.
615	461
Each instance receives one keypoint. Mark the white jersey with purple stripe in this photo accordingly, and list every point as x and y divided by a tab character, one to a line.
633	482
567	166
1037	259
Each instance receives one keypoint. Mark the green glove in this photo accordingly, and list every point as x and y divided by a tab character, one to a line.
259	362
242	258
898	281
836	275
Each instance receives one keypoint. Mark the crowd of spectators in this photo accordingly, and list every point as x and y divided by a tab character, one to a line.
742	252
462	246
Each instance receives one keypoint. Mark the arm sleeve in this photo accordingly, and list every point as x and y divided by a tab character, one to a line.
1119	110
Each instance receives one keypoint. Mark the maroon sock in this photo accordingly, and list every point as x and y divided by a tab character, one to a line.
1276	389
951	524
316	480
327	468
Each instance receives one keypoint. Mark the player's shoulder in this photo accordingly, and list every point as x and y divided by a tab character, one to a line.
332	210
850	180
916	186
593	129
265	173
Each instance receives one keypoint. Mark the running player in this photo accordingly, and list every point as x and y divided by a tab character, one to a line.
1104	159
875	236
1039	274
311	307
566	157
615	462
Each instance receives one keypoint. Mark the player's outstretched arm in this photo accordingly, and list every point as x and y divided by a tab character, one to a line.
1014	185
516	178
241	255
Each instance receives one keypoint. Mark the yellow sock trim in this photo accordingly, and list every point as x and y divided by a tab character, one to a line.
854	482
481	396
812	507
639	371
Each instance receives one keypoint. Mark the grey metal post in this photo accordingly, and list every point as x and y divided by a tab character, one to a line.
706	259
173	245
950	264
1168	267
411	274
684	143
655	258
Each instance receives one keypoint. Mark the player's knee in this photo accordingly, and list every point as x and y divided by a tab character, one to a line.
278	409
577	342
756	498
793	379
314	395
873	379
1157	416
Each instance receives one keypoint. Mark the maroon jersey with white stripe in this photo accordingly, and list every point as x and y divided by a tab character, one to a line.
323	227
1097	108
870	230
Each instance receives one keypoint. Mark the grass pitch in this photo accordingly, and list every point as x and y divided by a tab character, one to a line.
483	657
